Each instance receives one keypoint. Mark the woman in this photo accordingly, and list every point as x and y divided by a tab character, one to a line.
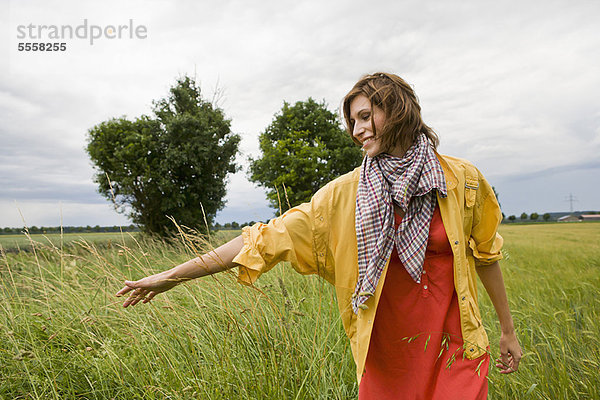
401	238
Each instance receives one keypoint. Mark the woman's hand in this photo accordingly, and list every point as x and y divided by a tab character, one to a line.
510	353
218	260
510	350
145	289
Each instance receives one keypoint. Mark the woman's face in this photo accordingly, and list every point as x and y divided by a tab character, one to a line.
361	116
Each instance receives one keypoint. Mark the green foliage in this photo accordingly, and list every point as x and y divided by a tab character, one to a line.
168	165
302	149
524	216
512	218
534	216
546	216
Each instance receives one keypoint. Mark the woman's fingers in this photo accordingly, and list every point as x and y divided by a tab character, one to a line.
517	359
150	297
510	353
507	364
135	296
125	290
149	286
137	299
505	360
129	286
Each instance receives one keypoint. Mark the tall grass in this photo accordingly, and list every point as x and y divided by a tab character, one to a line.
552	274
63	334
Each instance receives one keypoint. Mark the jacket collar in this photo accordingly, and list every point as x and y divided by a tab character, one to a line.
451	180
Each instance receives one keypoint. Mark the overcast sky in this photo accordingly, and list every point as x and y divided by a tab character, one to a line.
512	86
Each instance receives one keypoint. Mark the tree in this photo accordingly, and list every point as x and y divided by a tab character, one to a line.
302	149
534	216
524	216
497	196
172	164
512	218
546	216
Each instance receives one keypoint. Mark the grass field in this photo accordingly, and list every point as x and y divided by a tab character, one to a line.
63	334
23	242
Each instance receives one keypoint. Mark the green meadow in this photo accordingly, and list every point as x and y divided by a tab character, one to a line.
24	242
64	335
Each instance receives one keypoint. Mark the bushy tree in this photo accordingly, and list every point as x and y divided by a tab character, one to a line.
512	218
546	216
534	216
169	165
302	149
524	216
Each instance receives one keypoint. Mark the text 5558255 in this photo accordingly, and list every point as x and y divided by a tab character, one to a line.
41	46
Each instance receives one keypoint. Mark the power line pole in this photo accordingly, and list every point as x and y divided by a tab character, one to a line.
571	199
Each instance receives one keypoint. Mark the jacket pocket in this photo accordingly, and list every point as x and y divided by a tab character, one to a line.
471	186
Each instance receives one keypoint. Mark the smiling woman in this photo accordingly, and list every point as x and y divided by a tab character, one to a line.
401	238
396	113
365	121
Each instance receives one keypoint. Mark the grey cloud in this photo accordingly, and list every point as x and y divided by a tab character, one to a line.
588	166
511	91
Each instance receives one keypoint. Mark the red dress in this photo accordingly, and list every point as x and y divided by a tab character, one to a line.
396	369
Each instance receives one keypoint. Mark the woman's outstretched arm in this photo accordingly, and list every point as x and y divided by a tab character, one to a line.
218	260
510	350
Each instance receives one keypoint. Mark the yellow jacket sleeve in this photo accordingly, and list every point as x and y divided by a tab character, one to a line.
286	238
485	241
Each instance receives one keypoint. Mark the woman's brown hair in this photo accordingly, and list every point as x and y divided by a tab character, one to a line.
397	99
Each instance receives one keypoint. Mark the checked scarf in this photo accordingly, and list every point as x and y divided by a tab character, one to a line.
409	182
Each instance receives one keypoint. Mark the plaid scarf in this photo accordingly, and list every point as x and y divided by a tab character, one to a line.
409	182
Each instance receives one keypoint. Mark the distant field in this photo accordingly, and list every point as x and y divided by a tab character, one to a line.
11	242
23	242
63	334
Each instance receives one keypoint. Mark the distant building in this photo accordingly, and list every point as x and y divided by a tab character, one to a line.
575	216
569	218
590	217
